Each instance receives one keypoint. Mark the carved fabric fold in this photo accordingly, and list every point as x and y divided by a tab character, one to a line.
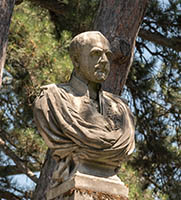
71	124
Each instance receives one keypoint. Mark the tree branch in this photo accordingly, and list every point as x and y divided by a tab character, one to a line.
59	8
174	43
10	170
8	195
20	165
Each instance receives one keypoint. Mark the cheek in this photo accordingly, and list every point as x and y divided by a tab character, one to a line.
92	63
94	59
83	63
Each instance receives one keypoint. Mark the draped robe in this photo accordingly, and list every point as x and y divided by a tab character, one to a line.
70	123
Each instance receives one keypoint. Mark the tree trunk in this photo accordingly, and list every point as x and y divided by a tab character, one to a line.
45	177
119	21
6	9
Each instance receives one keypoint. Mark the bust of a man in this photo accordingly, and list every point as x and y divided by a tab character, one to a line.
80	121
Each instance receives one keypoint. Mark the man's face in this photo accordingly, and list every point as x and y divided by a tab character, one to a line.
94	61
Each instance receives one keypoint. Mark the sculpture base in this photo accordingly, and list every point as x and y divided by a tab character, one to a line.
88	187
90	182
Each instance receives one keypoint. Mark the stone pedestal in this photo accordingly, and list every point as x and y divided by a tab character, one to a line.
90	182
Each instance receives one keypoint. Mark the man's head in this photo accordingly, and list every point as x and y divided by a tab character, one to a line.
90	53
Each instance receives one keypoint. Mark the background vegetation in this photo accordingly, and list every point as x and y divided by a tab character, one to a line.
38	55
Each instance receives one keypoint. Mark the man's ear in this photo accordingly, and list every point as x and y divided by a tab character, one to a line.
75	62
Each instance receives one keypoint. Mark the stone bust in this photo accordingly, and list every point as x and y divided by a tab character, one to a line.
80	121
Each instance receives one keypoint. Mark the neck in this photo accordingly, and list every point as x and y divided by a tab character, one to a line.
93	90
92	86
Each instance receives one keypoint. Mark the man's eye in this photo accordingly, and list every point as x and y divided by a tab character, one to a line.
109	55
96	53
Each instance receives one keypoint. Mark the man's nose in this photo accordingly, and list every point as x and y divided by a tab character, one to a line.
104	58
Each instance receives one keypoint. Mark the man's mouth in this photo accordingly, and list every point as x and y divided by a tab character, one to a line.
101	75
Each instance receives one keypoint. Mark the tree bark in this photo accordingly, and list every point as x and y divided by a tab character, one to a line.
6	9
119	21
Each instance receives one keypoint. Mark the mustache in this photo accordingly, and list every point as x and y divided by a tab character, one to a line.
101	67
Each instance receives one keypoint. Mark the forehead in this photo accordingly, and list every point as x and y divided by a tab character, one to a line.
96	40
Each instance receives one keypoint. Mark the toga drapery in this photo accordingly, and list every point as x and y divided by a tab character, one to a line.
71	124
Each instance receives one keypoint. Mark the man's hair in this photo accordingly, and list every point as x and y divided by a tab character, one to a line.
80	41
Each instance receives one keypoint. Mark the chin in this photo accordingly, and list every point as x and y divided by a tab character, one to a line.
100	80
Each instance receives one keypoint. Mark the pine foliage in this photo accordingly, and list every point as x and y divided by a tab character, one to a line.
38	55
34	58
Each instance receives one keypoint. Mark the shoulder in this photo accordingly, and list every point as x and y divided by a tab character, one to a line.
47	91
52	88
114	97
48	87
117	102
